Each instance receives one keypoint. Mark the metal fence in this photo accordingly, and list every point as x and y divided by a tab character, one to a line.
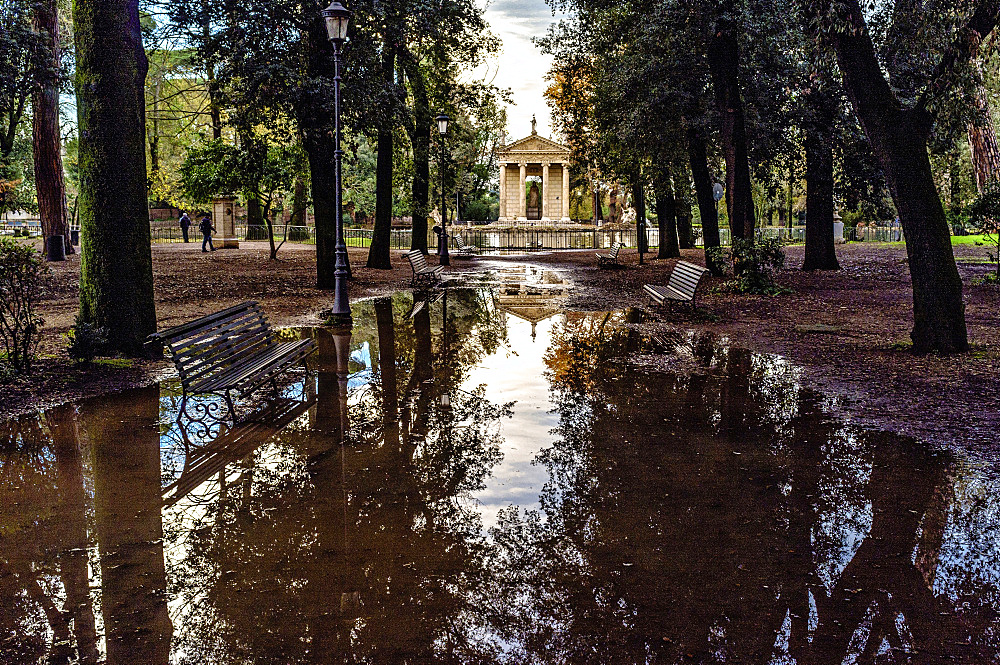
24	229
511	239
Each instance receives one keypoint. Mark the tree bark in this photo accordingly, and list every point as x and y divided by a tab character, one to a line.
682	197
379	252
724	63
899	138
420	138
666	215
639	199
116	268
315	114
298	217
820	252
698	154
50	187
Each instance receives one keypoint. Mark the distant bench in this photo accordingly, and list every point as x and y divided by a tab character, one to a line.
682	285
611	258
421	271
234	349
462	249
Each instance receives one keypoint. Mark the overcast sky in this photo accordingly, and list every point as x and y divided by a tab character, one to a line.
521	65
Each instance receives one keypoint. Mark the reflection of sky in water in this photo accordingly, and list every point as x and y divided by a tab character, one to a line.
516	374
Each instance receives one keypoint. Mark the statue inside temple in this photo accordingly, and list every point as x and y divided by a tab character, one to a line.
534	208
533	196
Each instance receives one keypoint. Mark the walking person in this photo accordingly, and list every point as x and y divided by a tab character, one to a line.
185	225
206	229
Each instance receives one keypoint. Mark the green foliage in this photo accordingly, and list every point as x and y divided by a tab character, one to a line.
754	265
984	215
21	275
86	341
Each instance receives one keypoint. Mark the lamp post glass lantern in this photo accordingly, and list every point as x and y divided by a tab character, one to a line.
442	123
337	18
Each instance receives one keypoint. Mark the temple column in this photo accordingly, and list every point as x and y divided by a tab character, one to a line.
522	210
545	190
503	191
565	192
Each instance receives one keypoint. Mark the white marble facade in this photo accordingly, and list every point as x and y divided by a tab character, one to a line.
534	156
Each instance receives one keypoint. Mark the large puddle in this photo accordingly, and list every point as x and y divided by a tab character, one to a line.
475	476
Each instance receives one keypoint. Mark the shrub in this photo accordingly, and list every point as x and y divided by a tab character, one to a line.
86	341
21	272
984	215
754	265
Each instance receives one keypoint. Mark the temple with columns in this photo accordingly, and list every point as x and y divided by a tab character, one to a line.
534	181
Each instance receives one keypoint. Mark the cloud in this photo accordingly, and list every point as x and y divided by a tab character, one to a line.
521	66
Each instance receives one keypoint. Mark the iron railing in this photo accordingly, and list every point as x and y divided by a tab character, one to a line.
511	239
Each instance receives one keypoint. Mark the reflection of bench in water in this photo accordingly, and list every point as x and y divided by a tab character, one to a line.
203	461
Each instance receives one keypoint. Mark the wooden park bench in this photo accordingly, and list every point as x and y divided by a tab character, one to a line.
463	250
421	271
611	258
233	349
682	285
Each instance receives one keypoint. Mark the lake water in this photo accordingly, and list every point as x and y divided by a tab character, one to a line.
473	475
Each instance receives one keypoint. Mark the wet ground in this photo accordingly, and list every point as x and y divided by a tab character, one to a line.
473	475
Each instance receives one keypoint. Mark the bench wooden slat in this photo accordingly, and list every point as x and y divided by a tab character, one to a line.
422	271
250	365
232	349
682	284
185	329
610	258
254	365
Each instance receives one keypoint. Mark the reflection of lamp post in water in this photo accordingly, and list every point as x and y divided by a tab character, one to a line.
442	123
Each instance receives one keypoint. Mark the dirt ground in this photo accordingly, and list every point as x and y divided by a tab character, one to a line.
860	359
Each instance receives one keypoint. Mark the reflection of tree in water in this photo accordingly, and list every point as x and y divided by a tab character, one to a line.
46	609
369	551
689	518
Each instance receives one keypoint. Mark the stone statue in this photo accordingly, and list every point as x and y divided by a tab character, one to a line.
533	131
533	196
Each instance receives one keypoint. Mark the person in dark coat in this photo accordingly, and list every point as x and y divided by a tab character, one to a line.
206	229
185	225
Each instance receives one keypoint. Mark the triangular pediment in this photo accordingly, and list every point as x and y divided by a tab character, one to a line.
534	143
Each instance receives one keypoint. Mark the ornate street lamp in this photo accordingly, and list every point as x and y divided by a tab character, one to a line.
442	123
337	17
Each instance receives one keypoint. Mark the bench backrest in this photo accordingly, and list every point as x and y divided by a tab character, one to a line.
417	260
617	247
200	347
685	277
460	241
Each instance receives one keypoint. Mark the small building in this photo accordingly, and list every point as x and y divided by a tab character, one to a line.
534	180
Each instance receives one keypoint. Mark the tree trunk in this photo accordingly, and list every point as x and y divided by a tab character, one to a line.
724	63
938	309
317	138
298	217
379	252
698	154
420	138
666	215
820	253
214	106
682	196
116	268
639	200
899	139
46	144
